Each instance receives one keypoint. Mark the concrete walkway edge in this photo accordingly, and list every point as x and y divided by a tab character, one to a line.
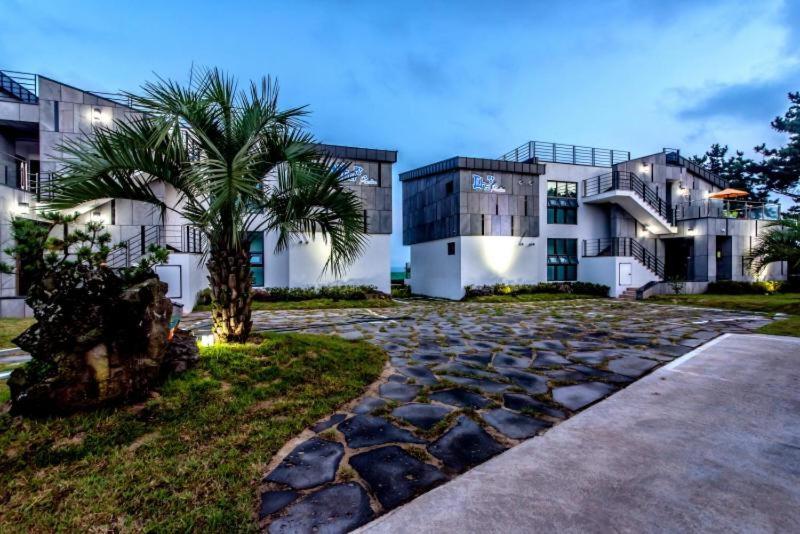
709	442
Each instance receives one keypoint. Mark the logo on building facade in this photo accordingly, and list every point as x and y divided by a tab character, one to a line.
489	185
357	176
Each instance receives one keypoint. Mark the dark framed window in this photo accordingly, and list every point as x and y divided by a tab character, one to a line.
451	248
562	260
448	187
257	258
562	202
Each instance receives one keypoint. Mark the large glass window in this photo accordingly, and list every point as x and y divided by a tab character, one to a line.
562	202
257	258
562	260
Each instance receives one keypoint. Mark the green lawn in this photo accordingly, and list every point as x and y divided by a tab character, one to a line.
775	303
11	328
788	303
314	304
534	297
188	459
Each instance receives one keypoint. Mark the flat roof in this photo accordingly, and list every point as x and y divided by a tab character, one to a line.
358	153
482	164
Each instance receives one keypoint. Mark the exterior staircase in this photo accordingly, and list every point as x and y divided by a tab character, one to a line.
627	190
25	91
624	247
628	294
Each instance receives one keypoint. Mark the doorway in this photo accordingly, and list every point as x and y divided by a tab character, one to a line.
724	255
678	255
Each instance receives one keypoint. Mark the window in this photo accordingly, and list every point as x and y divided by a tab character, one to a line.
448	187
451	248
562	202
257	258
562	260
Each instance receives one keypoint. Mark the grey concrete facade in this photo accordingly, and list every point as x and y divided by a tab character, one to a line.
369	175
443	199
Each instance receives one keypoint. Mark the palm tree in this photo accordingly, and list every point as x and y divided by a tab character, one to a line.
238	163
780	241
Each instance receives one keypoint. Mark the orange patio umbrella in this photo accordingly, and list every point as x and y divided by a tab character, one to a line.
729	193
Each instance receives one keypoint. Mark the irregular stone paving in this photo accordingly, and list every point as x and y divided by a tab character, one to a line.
465	382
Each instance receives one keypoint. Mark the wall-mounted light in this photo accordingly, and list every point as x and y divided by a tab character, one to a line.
97	216
645	167
97	115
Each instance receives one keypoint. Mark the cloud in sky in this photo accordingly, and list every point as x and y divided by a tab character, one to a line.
433	79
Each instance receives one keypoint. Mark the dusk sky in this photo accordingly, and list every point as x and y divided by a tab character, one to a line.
438	79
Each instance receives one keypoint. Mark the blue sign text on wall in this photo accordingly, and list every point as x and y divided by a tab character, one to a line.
488	185
358	176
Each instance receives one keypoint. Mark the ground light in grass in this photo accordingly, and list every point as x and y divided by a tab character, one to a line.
191	457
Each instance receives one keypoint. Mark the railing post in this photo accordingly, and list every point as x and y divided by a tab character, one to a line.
593	157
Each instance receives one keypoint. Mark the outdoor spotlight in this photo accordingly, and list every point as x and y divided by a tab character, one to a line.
97	114
96	215
206	340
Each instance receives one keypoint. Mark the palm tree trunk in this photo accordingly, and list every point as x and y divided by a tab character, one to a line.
231	285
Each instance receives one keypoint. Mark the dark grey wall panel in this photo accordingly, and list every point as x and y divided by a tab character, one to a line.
473	207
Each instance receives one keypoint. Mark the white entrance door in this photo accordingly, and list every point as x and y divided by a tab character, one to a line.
625	274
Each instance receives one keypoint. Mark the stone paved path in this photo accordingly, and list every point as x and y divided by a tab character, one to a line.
466	381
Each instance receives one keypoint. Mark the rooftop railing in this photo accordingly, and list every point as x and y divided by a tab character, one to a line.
674	158
542	151
728	209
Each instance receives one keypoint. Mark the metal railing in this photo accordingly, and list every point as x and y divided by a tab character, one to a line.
728	209
673	157
176	238
627	181
21	85
37	183
135	248
623	247
538	151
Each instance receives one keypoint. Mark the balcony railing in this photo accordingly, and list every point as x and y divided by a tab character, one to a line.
728	209
21	85
626	181
541	151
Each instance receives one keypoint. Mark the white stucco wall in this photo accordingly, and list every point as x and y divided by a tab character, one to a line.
302	265
606	270
433	272
189	272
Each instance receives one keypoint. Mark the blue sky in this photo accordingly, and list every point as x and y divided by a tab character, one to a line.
438	79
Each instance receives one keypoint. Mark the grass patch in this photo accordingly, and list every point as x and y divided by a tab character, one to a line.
11	328
783	327
788	303
533	297
189	459
774	303
314	304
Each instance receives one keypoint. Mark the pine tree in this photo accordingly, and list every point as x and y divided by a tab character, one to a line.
737	170
779	172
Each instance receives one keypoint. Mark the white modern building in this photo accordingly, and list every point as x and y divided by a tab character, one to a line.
37	114
549	212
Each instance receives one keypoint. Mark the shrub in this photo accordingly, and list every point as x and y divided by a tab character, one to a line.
729	287
401	292
583	288
203	297
293	294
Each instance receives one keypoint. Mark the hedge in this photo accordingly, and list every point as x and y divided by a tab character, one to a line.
583	288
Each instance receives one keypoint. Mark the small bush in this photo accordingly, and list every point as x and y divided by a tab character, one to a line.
729	287
401	292
293	294
583	288
203	297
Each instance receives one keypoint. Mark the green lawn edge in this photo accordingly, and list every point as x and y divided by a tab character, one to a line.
191	457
